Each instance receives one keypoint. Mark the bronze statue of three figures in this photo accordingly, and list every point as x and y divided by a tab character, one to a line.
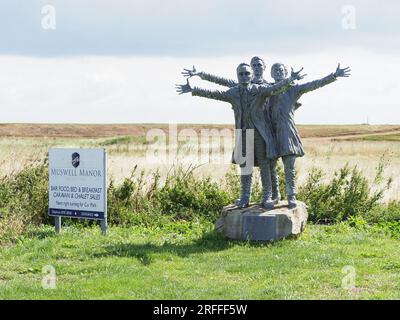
264	123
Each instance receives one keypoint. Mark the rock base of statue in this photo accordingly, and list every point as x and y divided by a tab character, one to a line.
257	223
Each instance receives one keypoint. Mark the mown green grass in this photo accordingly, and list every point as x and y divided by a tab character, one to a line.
188	260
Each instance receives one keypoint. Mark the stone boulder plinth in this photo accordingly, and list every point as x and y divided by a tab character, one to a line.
256	223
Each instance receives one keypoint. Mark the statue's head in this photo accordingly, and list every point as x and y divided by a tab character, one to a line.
244	73
279	72
258	66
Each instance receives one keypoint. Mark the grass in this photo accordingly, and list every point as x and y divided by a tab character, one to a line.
140	129
124	140
124	153
383	137
190	261
314	131
149	201
182	259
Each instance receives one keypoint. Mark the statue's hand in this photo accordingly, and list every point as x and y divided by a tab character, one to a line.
183	88
297	75
190	73
342	72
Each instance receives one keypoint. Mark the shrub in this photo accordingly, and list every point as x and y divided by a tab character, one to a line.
23	199
348	194
143	199
384	213
184	195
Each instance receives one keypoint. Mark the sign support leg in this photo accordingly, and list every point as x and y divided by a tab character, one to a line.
104	227
57	222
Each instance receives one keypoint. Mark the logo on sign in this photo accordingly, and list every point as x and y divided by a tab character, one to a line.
76	158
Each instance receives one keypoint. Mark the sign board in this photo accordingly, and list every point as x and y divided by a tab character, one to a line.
78	183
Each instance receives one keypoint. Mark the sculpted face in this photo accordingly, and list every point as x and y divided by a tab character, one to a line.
278	72
258	68
244	74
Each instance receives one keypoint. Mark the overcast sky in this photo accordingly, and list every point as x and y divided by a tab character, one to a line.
118	61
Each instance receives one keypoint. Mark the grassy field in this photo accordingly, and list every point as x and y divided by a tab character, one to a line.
112	130
190	261
187	259
387	137
327	147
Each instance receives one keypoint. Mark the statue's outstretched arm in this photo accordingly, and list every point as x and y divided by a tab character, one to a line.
210	94
281	86
209	77
313	85
218	80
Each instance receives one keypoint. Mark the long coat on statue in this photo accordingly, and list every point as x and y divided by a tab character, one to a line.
280	113
256	97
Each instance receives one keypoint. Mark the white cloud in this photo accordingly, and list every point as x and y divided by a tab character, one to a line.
188	28
136	89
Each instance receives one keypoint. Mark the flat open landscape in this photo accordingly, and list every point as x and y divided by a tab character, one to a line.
112	130
328	147
188	259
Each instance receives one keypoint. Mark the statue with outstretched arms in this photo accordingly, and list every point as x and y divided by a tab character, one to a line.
280	113
257	65
247	100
